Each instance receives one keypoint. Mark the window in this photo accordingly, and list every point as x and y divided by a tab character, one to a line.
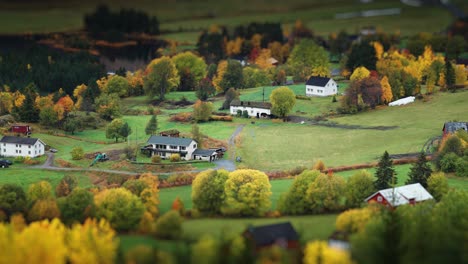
20	151
16	151
29	152
20	146
195	145
173	147
379	199
16	145
182	148
29	146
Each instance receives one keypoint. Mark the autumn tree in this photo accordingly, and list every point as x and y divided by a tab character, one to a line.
385	174
264	59
282	101
77	206
39	191
152	125
202	111
12	199
218	77
231	78
387	95
205	89
361	95
206	250
6	103
255	77
118	85
208	191
319	252
247	193
169	226
113	130
420	171
360	73
325	194
305	57
44	209
460	75
196	134
295	200
358	187
120	207
230	95
161	77
108	106
437	185
355	220
135	186
178	206
191	64
319	165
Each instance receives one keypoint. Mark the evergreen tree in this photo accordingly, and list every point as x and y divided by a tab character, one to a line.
420	171
28	112
152	126
385	174
125	131
449	75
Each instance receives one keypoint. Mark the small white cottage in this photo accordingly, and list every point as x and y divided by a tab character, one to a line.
255	109
321	86
21	147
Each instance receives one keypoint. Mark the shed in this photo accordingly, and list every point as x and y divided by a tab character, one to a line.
394	197
452	127
205	154
282	234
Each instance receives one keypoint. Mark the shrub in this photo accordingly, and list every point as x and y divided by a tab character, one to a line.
169	226
175	158
115	179
448	162
77	153
130	152
181	117
437	185
12	199
77	206
221	118
319	165
461	167
303	97
156	159
44	209
358	187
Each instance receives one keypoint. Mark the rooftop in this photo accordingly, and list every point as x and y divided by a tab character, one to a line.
452	127
205	152
176	141
318	81
19	140
263	105
269	234
402	195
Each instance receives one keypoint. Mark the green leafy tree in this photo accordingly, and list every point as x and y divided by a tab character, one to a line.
77	206
358	187
108	106
233	77
162	77
295	201
48	117
152	126
114	129
39	191
254	77
202	111
325	194
197	135
190	62
125	131
208	191
282	101
169	226
385	174
449	75
205	89
247	193
437	185
118	85
120	207
77	153
12	199
420	171
306	57
71	125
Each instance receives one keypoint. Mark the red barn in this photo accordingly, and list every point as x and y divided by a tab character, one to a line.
21	129
394	197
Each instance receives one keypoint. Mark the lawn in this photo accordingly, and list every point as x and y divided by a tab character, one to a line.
285	145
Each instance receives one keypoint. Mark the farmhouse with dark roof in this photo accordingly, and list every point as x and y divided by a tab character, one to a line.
321	86
283	235
187	148
11	146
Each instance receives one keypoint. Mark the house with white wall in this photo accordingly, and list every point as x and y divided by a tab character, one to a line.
11	146
321	86
166	146
255	109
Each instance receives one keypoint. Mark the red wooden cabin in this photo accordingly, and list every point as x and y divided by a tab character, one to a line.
24	129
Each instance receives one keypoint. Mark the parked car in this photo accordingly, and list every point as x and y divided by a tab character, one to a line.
9	162
4	164
53	150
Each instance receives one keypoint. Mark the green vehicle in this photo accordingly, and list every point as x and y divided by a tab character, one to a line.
100	157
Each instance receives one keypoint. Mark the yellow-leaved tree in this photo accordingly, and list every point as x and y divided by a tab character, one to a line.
360	73
222	67
78	94
460	74
318	252
264	60
379	49
354	220
387	95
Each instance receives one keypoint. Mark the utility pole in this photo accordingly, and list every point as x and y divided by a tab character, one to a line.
263	94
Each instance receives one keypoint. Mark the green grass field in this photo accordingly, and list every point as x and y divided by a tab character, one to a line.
286	145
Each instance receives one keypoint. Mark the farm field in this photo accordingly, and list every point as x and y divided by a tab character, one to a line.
191	17
283	146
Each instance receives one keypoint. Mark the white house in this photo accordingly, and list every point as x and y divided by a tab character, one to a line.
321	86
166	146
11	146
255	109
407	194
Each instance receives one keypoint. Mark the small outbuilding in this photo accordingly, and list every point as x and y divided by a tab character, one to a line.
24	129
205	154
283	235
321	86
11	146
254	109
452	127
394	197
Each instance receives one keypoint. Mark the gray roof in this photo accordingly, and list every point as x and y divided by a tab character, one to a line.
176	141
205	152
318	81
269	234
19	140
402	195
263	105
452	127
